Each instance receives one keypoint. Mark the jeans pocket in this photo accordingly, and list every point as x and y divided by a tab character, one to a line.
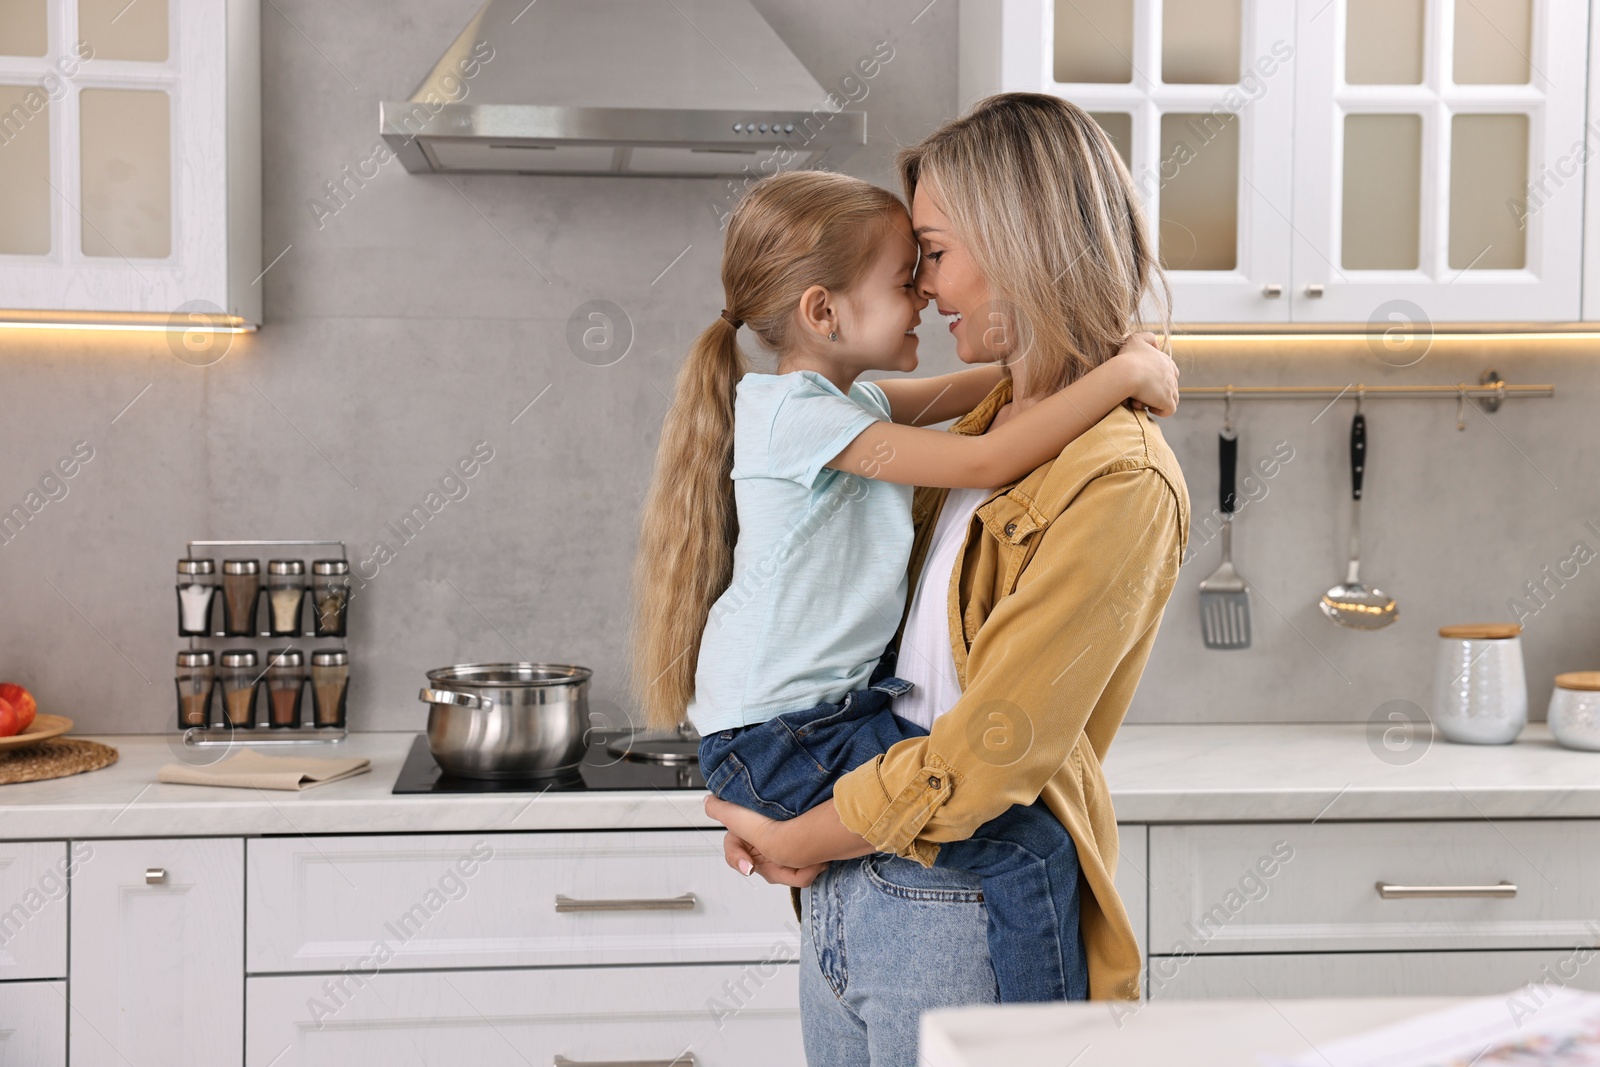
731	781
909	880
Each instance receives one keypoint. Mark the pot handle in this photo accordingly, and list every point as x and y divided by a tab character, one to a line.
443	696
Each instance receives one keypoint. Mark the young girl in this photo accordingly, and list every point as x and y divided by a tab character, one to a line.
772	564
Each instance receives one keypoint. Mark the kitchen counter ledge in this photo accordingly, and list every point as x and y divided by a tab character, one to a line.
1158	773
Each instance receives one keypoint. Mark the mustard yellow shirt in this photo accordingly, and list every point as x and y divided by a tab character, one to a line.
1054	604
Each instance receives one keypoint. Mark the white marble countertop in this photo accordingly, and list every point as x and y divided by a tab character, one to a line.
1179	773
1300	772
1207	1033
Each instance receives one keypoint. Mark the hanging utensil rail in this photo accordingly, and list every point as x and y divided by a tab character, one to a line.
1489	392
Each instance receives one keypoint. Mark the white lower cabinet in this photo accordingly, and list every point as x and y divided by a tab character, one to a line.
1373	908
1374	886
1371	974
33	924
597	949
723	1015
157	960
1132	882
33	1023
507	900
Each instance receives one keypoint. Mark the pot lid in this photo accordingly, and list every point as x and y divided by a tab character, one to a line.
509	674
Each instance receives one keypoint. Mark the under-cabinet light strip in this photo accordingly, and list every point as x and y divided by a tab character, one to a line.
137	327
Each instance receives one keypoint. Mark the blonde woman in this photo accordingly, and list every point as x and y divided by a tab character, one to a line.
1035	602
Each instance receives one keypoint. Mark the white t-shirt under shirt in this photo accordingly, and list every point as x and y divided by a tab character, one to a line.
925	656
819	569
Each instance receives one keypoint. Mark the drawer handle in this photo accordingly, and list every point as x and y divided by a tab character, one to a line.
686	902
155	875
685	1060
1504	891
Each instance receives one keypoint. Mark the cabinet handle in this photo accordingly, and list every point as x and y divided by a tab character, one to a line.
685	1060
1314	289
686	902
1504	891
1272	289
155	875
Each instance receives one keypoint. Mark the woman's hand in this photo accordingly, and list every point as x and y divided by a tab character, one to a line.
769	838
745	858
815	837
1154	374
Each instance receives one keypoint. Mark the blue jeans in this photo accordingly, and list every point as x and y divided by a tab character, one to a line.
1026	860
917	940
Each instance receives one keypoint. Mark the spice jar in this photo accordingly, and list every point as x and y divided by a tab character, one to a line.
241	683
195	679
1574	714
286	591
286	680
241	588
330	683
197	592
1480	692
330	595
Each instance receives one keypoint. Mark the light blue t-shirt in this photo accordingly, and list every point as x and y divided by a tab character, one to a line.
819	570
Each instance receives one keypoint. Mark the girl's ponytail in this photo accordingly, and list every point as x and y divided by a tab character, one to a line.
686	542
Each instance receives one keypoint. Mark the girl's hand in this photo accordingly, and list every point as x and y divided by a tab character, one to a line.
1154	374
745	858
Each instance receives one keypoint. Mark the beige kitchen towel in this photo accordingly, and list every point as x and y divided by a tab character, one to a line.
255	770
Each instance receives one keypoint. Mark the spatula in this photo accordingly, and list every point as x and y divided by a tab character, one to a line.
1224	594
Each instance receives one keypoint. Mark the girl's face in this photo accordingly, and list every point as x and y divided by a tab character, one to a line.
880	314
949	278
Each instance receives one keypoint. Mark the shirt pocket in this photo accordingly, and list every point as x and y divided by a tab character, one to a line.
1016	526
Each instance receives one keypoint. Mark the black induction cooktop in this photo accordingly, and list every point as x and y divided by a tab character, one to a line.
601	770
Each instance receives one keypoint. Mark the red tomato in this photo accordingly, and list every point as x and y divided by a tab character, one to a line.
22	701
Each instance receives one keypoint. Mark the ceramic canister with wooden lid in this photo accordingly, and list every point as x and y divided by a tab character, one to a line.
1575	710
1480	691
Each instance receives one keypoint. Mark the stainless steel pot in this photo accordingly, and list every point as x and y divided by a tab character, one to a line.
507	720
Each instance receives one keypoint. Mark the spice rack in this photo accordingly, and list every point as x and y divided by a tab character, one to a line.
260	734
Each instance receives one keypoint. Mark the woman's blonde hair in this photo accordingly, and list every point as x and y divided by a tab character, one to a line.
1037	193
790	232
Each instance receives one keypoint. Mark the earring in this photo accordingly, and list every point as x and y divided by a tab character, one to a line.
834	336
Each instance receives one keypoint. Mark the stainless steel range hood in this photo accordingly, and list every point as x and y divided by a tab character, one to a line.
641	87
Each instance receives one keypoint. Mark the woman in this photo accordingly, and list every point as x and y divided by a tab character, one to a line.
1035	604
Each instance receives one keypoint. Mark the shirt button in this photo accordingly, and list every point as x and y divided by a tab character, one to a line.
933	781
1011	529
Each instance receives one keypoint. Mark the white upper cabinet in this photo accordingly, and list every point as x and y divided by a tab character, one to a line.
131	183
1338	161
1198	97
1427	141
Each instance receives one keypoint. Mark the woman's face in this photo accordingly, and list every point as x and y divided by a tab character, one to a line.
947	276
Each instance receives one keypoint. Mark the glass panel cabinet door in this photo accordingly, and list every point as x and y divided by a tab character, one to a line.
1198	98
130	177
1435	175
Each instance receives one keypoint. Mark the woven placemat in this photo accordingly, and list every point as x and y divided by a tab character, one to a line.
55	758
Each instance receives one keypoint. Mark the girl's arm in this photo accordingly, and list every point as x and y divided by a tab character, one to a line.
909	455
924	401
